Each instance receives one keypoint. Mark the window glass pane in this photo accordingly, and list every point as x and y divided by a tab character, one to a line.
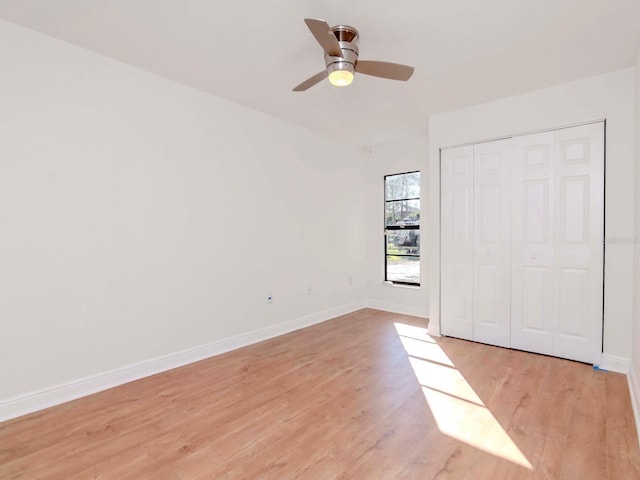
403	269
403	242
402	227
402	212
406	185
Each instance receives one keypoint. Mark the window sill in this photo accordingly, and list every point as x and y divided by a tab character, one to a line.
400	285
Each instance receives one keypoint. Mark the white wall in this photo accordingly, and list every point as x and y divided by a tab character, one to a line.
141	217
607	96
634	374
396	157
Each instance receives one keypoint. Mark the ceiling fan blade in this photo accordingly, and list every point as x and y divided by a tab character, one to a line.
310	82
392	71
325	37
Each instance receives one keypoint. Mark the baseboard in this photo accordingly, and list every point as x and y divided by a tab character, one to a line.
615	364
55	395
414	311
634	390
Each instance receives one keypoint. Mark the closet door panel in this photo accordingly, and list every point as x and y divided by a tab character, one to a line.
492	239
533	294
535	299
579	170
456	230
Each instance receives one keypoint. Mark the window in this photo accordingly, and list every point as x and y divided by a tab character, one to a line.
402	228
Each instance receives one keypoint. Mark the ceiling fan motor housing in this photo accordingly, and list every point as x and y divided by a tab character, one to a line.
346	62
347	37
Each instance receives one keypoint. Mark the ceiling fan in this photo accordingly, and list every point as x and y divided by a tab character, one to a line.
341	57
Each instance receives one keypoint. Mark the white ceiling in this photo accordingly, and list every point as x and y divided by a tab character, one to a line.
255	51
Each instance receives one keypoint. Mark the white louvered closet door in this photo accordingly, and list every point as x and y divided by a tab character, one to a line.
558	234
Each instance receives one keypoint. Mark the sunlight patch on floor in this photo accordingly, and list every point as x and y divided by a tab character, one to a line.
425	350
458	410
411	331
447	380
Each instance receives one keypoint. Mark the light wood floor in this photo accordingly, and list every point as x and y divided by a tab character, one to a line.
353	398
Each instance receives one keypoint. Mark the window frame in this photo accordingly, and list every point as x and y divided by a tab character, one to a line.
395	228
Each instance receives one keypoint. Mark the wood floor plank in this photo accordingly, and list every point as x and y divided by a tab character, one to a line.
364	396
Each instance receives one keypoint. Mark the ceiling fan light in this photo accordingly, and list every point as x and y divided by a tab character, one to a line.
341	78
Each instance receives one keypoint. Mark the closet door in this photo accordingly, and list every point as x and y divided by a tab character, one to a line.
492	243
456	242
533	288
580	240
558	233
